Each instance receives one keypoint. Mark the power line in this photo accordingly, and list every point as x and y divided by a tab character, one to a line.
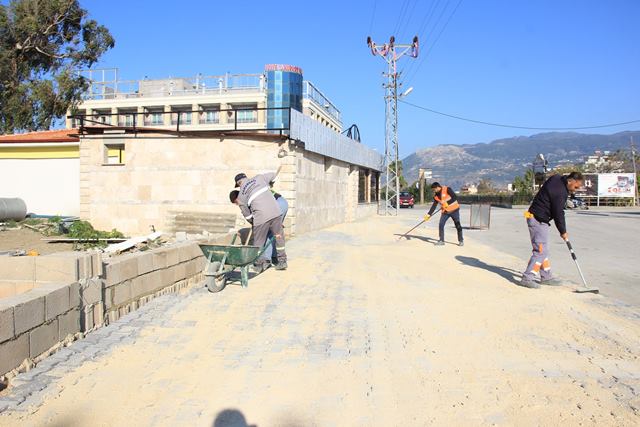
444	27
403	9
422	27
373	15
482	122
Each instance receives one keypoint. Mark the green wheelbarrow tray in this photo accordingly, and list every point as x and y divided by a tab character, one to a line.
223	259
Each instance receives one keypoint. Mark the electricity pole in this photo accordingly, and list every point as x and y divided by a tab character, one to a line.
635	173
391	53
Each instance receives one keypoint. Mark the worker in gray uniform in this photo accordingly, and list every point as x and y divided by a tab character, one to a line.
259	207
547	205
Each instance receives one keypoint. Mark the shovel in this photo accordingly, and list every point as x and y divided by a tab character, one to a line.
585	288
418	225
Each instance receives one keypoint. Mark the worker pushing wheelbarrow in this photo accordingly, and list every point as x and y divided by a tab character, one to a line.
222	260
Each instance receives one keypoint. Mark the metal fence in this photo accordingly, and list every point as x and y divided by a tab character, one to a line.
480	216
496	200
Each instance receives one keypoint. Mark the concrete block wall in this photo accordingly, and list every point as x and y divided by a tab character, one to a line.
130	281
33	322
76	292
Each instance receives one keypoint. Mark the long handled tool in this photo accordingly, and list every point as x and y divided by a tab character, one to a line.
417	225
586	288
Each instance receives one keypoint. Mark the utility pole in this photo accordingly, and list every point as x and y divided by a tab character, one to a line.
391	53
635	173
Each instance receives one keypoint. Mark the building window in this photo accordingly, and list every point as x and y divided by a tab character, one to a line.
247	116
125	119
210	117
375	190
113	154
362	186
156	118
185	117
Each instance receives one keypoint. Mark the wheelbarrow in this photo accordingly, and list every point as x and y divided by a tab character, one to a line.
222	260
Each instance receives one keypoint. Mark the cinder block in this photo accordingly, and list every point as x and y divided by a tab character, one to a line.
28	311
111	273
120	293
155	280
128	266
91	291
195	251
7	330
57	268
179	272
140	286
167	277
23	286
43	338
173	256
145	263
184	252
98	314
13	352
96	262
69	323
192	268
18	268
200	262
74	295
56	299
159	258
86	319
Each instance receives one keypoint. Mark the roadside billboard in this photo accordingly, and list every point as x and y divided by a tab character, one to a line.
590	186
616	185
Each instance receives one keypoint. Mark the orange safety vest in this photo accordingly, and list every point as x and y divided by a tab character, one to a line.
444	201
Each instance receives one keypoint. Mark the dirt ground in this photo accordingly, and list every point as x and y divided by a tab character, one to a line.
25	239
364	330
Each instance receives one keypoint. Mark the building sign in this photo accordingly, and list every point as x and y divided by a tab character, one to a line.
283	67
616	185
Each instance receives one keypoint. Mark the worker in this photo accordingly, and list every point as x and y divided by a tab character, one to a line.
259	207
450	208
270	253
547	205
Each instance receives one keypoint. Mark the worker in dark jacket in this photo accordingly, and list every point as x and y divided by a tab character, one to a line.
547	205
448	201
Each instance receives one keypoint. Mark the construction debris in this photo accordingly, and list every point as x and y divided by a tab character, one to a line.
131	243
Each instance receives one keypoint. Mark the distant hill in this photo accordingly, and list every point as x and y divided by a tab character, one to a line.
503	159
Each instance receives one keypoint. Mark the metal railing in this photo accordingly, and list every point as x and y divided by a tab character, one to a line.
233	121
309	91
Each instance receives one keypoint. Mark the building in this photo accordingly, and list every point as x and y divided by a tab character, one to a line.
163	153
43	169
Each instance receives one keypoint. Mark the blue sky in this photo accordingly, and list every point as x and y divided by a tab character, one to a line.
540	63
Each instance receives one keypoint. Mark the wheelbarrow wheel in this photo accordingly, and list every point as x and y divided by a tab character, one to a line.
215	283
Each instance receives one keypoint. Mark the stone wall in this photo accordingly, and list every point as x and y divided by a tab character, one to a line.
73	293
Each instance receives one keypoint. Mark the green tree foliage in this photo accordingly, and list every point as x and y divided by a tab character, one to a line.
485	186
42	43
523	185
401	179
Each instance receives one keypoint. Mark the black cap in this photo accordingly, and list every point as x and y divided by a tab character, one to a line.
238	178
435	185
233	195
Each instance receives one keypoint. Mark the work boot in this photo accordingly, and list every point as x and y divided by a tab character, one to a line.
554	281
281	265
528	283
259	268
439	243
461	243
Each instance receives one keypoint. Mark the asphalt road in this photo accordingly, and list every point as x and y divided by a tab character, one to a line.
606	242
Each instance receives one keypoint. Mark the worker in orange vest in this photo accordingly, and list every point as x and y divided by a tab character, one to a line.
448	201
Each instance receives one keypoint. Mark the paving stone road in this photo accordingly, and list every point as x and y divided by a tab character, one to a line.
362	330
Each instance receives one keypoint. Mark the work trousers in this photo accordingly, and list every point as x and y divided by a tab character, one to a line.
270	253
455	216
260	233
539	261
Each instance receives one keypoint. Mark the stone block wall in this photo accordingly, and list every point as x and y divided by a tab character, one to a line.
74	292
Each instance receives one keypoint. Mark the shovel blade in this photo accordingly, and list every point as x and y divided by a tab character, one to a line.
587	290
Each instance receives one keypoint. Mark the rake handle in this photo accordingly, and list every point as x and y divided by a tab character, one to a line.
575	259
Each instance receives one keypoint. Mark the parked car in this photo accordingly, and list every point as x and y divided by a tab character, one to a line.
576	203
406	200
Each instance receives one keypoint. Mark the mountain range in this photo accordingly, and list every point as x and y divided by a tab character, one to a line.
504	159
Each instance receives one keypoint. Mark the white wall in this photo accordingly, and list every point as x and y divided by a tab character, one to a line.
47	186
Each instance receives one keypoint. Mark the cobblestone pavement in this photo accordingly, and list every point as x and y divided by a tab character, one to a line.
361	330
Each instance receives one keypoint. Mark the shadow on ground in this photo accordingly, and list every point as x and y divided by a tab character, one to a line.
506	273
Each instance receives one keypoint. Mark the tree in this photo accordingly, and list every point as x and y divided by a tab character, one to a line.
523	185
485	186
42	45
402	181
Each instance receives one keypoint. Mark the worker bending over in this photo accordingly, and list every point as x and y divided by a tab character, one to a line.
259	207
547	205
448	201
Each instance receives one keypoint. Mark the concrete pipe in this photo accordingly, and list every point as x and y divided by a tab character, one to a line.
15	209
